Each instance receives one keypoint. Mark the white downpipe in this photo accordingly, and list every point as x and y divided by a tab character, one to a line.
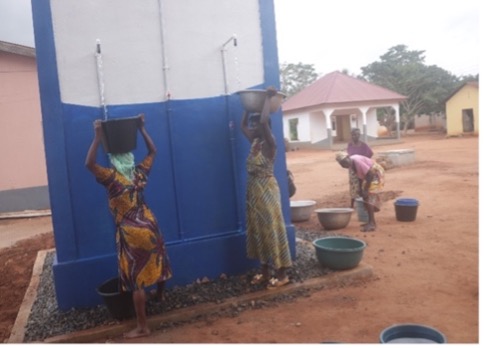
232	39
99	70
364	121
328	114
165	66
398	120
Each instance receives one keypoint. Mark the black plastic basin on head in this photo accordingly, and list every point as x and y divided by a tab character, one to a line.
119	135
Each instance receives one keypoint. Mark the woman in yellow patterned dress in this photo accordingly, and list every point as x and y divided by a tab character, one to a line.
266	233
142	258
371	181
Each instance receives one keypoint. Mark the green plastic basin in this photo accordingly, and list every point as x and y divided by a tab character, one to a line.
339	253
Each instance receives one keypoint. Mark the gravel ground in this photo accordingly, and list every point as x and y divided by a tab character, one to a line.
46	320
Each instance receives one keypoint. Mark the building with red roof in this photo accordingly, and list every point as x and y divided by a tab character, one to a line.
324	112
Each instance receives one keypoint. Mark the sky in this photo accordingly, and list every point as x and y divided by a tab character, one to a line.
342	34
350	34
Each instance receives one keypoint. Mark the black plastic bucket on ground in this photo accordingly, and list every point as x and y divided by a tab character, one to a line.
120	134
411	333
406	209
119	303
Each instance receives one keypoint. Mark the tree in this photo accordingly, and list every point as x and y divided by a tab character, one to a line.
295	77
404	72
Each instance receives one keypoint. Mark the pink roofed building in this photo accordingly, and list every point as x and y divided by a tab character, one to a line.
323	113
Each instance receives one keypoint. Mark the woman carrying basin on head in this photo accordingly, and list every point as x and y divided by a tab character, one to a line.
266	233
142	258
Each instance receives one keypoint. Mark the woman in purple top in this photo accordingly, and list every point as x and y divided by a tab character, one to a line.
356	147
371	180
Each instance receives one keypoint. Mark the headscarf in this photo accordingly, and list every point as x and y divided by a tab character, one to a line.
340	156
124	163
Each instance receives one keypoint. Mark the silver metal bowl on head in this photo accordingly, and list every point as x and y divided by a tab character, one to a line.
252	100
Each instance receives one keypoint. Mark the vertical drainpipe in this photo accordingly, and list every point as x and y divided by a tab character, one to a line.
328	113
232	126
398	121
364	122
166	99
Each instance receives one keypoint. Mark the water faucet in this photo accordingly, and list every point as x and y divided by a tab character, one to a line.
233	38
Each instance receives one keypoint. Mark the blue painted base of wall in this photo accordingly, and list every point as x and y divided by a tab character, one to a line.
76	282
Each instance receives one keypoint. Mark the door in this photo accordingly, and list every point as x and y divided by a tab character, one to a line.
467	120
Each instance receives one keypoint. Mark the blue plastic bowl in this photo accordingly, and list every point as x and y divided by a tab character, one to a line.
411	333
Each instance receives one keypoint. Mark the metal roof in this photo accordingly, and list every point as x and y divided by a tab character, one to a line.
469	83
17	49
336	88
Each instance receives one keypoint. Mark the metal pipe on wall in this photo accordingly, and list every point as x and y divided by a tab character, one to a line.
232	125
166	102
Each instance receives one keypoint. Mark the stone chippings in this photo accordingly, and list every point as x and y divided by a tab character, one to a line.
46	320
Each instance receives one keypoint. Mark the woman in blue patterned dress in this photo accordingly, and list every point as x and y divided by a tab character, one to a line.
266	233
142	258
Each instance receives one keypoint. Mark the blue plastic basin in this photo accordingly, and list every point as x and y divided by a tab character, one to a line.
411	333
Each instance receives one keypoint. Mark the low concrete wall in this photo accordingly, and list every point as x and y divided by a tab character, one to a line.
31	198
396	158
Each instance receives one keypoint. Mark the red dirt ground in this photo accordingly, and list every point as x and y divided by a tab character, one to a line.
425	271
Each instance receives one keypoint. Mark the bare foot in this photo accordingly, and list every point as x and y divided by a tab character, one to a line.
137	332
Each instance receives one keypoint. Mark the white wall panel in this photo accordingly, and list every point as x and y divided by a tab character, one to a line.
131	40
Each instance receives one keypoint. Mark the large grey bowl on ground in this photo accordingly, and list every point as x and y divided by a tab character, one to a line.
301	210
253	100
339	252
334	218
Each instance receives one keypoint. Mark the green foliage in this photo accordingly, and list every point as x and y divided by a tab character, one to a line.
404	72
295	77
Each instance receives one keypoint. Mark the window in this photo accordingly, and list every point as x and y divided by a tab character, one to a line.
293	129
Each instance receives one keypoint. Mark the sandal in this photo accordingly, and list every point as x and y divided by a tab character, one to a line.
367	228
276	283
258	279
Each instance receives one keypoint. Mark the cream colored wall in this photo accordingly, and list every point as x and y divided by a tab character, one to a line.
465	98
21	140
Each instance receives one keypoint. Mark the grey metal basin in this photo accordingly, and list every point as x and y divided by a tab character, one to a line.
253	100
301	210
334	218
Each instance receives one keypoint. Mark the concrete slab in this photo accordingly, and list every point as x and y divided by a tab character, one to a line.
361	272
